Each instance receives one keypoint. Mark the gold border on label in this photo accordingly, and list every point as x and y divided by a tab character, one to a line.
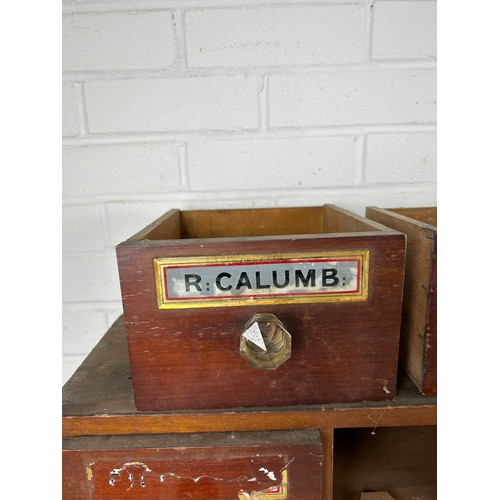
163	303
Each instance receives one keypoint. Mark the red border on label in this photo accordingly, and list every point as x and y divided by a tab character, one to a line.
259	295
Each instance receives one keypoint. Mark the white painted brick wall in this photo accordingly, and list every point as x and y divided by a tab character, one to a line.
283	35
70	112
79	220
90	278
404	30
86	324
110	169
243	165
118	40
212	102
228	104
401	158
353	98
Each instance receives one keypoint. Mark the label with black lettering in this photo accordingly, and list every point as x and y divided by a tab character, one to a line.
215	281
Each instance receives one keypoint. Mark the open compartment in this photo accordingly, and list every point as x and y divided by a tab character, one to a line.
398	463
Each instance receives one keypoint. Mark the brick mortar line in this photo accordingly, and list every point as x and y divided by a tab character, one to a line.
105	221
82	305
180	40
263	103
82	111
74	306
360	159
183	165
369	27
106	252
70	355
230	135
151	5
245	195
172	73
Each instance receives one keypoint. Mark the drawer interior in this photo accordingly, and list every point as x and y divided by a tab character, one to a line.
189	224
401	461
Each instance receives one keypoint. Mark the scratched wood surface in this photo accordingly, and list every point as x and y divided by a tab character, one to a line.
98	400
208	466
418	350
189	359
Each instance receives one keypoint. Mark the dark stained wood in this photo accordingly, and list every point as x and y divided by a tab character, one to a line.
103	382
400	461
429	385
418	351
210	466
341	352
98	400
197	440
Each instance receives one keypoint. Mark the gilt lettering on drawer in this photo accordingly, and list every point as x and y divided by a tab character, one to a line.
240	280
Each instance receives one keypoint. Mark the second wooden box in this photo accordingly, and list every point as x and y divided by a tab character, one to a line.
418	353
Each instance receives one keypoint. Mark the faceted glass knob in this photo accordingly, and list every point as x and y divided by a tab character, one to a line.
265	343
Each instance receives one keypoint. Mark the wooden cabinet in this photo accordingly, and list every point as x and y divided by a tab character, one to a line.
296	452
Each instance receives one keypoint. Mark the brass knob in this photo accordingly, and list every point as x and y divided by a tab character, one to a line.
265	343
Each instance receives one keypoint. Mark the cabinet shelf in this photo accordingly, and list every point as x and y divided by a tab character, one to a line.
98	400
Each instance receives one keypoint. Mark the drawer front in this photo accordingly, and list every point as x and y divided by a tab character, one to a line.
344	346
267	471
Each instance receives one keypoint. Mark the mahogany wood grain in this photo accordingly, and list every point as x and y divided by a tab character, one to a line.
418	351
98	400
209	466
189	359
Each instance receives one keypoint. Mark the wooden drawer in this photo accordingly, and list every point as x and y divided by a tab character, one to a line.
192	283
418	355
218	466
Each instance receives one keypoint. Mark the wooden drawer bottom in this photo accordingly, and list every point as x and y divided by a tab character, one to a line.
225	466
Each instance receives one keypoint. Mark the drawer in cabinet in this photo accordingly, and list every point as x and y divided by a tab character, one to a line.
262	307
219	466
